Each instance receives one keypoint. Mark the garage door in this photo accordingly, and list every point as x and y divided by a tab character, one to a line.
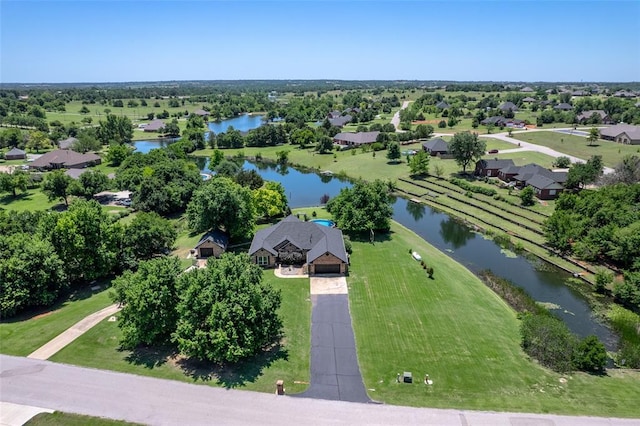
206	252
327	269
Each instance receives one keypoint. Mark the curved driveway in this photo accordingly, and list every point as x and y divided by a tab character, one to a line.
164	402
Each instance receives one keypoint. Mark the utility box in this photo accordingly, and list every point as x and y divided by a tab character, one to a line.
407	377
280	387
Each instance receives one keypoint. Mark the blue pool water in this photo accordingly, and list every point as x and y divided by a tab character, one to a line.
324	222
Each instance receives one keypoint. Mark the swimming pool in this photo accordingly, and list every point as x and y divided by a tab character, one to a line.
324	222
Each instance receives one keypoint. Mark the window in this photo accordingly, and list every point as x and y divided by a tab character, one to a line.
552	192
263	260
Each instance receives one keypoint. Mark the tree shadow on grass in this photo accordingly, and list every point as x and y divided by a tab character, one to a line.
233	375
150	356
365	237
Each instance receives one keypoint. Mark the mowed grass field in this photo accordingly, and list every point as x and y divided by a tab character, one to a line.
25	333
465	337
612	153
99	348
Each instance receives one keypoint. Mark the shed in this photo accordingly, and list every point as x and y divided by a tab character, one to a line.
15	154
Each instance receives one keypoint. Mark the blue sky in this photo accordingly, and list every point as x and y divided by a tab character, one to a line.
109	41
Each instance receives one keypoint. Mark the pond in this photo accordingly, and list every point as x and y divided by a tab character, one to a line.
544	282
243	123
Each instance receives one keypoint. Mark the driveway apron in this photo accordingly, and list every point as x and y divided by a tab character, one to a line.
335	373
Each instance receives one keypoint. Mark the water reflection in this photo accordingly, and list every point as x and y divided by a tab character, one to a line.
454	233
416	210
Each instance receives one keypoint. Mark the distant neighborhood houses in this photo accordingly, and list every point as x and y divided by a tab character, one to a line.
500	121
585	116
546	184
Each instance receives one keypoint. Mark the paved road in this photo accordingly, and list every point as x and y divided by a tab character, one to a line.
164	402
71	334
538	148
395	120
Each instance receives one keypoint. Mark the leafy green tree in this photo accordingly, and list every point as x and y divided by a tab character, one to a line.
603	279
627	292
582	174
562	162
362	208
222	203
216	159
548	340
594	135
84	238
419	163
118	153
627	171
148	235
18	180
303	137
84	110
249	178
424	131
526	196
226	311
116	129
590	355
267	202
393	152
282	156
88	184
31	273
149	298
324	145
172	129
38	140
227	168
56	186
466	147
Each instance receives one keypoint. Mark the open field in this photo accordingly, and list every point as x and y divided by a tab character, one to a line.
461	334
612	152
99	348
25	333
33	199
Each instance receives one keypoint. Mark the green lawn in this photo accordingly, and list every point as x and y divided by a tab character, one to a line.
26	333
461	334
33	199
65	419
612	152
98	348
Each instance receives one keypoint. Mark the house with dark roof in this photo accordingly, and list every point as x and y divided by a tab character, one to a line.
496	120
585	116
624	94
212	244
340	120
67	143
563	107
202	113
15	154
154	126
622	133
507	174
527	89
545	188
436	146
528	100
530	170
65	159
491	167
442	105
349	139
318	249
508	106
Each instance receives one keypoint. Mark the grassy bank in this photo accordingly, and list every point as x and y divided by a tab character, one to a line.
24	334
99	348
461	334
66	419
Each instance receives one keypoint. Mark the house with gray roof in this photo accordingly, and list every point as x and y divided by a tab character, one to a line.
67	143
15	154
349	139
622	133
340	120
490	167
212	244
154	126
317	248
563	107
528	100
202	113
436	146
442	105
527	89
65	159
545	188
508	106
585	116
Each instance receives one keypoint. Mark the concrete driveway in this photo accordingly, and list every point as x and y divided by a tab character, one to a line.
335	373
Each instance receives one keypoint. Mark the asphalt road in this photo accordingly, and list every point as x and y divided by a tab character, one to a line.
164	402
335	373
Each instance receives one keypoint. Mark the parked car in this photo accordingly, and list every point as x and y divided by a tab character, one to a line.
493	151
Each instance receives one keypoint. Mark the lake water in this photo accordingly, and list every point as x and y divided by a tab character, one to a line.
544	282
243	123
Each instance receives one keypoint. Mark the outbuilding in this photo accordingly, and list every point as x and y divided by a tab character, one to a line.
15	154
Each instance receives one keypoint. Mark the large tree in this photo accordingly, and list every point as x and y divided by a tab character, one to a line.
419	163
226	311
466	147
364	207
594	135
56	186
393	152
38	140
582	174
31	273
149	298
116	129
18	180
148	235
88	184
222	203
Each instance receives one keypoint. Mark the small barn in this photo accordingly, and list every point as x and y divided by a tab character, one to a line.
15	154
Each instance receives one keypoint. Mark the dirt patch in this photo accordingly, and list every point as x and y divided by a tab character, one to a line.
46	314
435	121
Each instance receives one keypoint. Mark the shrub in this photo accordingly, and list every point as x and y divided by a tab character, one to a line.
548	340
314	214
502	239
442	124
590	355
526	196
602	279
347	244
628	355
430	271
473	188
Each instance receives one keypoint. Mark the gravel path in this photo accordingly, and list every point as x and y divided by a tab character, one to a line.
395	120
